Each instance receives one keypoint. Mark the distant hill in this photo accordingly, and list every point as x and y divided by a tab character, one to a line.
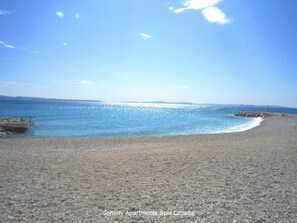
9	98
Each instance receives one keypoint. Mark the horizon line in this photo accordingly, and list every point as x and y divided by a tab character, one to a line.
152	102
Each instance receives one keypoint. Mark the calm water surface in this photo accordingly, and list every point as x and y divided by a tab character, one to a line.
97	119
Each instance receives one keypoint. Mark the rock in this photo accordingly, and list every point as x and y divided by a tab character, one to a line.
133	208
254	114
14	124
3	132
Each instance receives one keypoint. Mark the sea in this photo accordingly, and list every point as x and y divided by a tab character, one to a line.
74	119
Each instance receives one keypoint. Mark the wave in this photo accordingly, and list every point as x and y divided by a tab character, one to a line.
243	127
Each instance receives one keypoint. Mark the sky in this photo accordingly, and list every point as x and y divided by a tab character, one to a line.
201	51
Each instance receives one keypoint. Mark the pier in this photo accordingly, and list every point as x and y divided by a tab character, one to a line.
14	124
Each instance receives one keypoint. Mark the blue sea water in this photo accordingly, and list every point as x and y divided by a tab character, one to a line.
67	119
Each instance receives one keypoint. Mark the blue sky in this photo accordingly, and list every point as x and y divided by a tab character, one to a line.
203	51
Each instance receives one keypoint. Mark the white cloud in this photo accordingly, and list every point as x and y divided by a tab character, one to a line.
74	82
4	44
209	11
65	44
9	46
85	82
182	86
4	12
214	14
77	15
145	36
60	14
180	10
197	4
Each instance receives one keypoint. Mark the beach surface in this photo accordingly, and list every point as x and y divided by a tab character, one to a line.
231	177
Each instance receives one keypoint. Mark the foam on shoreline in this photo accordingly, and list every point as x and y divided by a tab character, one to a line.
243	127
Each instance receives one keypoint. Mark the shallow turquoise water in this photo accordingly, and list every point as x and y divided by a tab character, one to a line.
95	119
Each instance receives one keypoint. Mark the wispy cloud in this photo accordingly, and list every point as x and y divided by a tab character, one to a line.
65	44
85	82
145	36
7	45
4	44
208	10
4	12
77	15
60	14
214	14
182	86
72	82
13	83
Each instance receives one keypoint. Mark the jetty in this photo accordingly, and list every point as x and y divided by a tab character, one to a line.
259	114
14	124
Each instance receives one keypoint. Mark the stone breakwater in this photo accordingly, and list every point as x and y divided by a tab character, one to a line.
13	124
3	132
255	114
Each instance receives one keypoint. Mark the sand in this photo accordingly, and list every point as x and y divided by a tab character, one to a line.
233	177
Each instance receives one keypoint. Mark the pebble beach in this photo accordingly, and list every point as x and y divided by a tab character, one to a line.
246	176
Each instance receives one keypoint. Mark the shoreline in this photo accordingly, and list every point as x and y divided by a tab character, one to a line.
136	138
243	127
10	135
245	176
234	129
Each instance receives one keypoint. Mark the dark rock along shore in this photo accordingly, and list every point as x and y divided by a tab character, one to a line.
13	124
254	114
3	132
